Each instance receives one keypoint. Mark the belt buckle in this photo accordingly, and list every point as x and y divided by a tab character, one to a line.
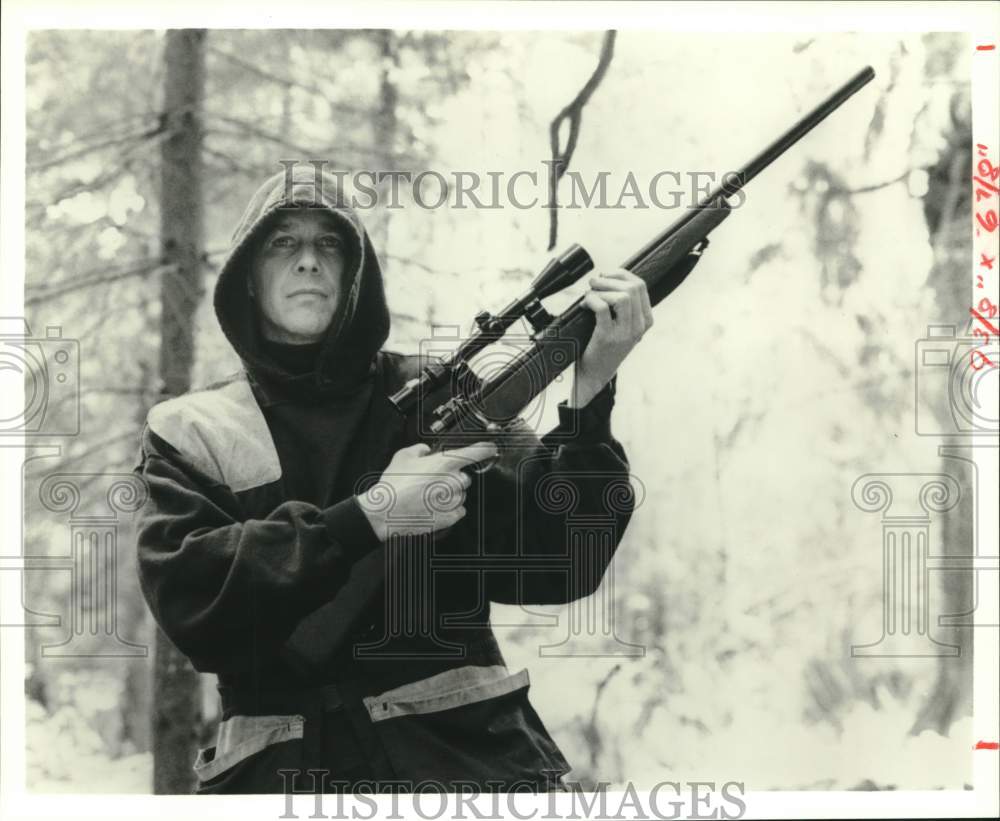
330	697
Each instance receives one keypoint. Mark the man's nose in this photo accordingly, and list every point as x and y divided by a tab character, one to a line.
308	262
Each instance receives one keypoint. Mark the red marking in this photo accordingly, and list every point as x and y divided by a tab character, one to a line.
989	185
989	221
984	321
987	745
983	360
990	47
986	261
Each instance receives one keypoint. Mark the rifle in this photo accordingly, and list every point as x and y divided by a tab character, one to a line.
448	397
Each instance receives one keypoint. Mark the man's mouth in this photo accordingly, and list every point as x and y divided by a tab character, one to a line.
309	292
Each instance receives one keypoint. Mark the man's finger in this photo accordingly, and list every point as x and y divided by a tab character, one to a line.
602	312
620	274
622	281
621	307
647	307
640	320
606	282
472	454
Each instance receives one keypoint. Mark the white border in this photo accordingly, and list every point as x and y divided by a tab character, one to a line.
752	16
986	671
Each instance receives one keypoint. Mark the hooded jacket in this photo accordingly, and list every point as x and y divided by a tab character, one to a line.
252	545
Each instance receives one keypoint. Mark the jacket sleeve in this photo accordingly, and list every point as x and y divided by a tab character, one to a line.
228	591
556	508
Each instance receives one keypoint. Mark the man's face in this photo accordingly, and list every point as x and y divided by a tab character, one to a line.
296	276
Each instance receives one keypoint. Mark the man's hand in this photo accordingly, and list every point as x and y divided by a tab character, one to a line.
420	491
620	303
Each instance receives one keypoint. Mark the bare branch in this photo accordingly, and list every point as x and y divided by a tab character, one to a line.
590	730
139	137
80	186
288	82
232	164
104	130
245	128
864	189
131	433
87	282
108	313
573	114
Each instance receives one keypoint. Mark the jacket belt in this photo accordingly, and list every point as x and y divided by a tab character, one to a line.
247	701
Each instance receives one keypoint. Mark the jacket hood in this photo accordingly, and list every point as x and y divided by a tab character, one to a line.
360	324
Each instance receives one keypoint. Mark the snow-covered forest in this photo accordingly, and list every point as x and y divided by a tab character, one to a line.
777	375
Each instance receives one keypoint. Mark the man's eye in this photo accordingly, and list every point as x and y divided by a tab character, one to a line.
332	241
283	241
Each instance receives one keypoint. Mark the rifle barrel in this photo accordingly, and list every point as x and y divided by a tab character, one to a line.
794	134
740	178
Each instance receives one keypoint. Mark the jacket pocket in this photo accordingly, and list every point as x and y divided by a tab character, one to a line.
236	762
468	724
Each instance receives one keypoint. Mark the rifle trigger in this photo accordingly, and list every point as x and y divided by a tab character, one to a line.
481	467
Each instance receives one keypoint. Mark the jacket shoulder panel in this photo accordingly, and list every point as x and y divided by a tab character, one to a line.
222	432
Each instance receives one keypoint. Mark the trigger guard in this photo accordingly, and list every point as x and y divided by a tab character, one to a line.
488	428
481	467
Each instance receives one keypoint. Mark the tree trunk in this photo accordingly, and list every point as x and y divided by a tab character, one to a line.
385	126
137	699
951	697
175	682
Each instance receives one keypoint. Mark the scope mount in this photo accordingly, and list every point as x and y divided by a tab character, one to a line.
559	273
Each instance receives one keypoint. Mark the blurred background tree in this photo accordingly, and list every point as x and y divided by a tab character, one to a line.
175	706
783	370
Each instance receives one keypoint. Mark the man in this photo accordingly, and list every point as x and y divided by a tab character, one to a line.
276	494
